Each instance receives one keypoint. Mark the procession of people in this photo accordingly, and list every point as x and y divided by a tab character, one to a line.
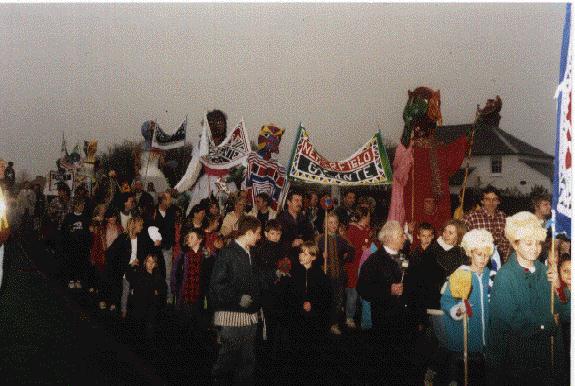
270	267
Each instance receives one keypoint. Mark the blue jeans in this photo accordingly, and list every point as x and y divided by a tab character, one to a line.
365	315
350	302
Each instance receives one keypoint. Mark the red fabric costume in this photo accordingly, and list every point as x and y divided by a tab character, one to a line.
449	160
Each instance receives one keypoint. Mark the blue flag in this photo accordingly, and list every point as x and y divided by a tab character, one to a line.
562	176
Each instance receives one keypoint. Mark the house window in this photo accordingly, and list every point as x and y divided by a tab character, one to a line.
496	164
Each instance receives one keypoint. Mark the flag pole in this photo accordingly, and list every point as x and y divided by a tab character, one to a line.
458	214
325	242
149	153
553	265
465	353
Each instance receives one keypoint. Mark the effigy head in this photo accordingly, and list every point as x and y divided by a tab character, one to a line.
421	114
217	122
90	149
269	139
147	131
489	115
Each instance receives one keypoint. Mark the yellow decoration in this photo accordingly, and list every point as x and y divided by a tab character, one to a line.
460	284
3	212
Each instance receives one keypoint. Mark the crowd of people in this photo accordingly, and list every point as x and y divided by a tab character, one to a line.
304	273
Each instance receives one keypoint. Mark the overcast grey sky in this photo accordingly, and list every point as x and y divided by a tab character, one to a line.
98	71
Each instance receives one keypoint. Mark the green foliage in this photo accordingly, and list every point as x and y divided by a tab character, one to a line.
539	190
121	159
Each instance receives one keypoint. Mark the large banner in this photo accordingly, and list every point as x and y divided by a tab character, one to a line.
562	175
232	152
264	177
163	141
369	165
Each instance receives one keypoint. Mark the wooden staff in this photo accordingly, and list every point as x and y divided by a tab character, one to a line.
413	186
552	338
458	214
325	242
465	359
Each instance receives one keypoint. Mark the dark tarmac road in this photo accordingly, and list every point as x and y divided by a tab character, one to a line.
52	335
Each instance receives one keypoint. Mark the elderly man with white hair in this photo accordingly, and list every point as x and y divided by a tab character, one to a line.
520	320
380	282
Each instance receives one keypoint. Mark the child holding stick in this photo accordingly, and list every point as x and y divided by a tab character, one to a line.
519	349
478	245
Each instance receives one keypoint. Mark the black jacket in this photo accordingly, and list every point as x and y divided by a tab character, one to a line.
427	278
293	229
234	274
147	294
377	275
166	225
76	235
266	255
308	285
118	255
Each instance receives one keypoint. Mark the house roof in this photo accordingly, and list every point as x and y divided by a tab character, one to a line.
490	141
543	168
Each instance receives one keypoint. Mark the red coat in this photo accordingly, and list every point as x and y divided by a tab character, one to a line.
358	238
449	160
98	250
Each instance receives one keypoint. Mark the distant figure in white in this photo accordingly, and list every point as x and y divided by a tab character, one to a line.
150	160
203	180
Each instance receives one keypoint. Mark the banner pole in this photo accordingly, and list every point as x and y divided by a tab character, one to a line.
325	242
552	265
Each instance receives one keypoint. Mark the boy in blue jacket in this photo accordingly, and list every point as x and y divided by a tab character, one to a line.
478	245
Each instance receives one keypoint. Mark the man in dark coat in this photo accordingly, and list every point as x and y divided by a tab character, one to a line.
380	283
235	291
164	217
295	227
144	200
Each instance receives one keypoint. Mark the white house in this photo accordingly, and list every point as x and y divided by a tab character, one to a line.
500	159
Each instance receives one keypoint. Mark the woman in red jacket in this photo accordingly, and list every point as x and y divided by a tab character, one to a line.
359	234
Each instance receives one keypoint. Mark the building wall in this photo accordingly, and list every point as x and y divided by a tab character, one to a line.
513	173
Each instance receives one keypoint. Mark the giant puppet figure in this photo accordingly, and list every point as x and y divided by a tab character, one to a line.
148	161
422	165
264	174
202	180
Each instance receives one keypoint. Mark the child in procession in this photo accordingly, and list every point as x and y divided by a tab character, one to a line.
308	296
520	320
147	296
334	258
478	246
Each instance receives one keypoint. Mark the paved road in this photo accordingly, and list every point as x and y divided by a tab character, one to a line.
52	335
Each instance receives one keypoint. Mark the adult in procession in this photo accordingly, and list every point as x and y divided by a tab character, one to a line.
164	218
346	210
262	210
380	283
521	324
235	290
295	227
490	218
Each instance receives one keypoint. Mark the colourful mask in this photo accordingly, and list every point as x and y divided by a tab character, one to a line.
269	139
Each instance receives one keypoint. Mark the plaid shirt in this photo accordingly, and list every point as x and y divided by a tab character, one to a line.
479	219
